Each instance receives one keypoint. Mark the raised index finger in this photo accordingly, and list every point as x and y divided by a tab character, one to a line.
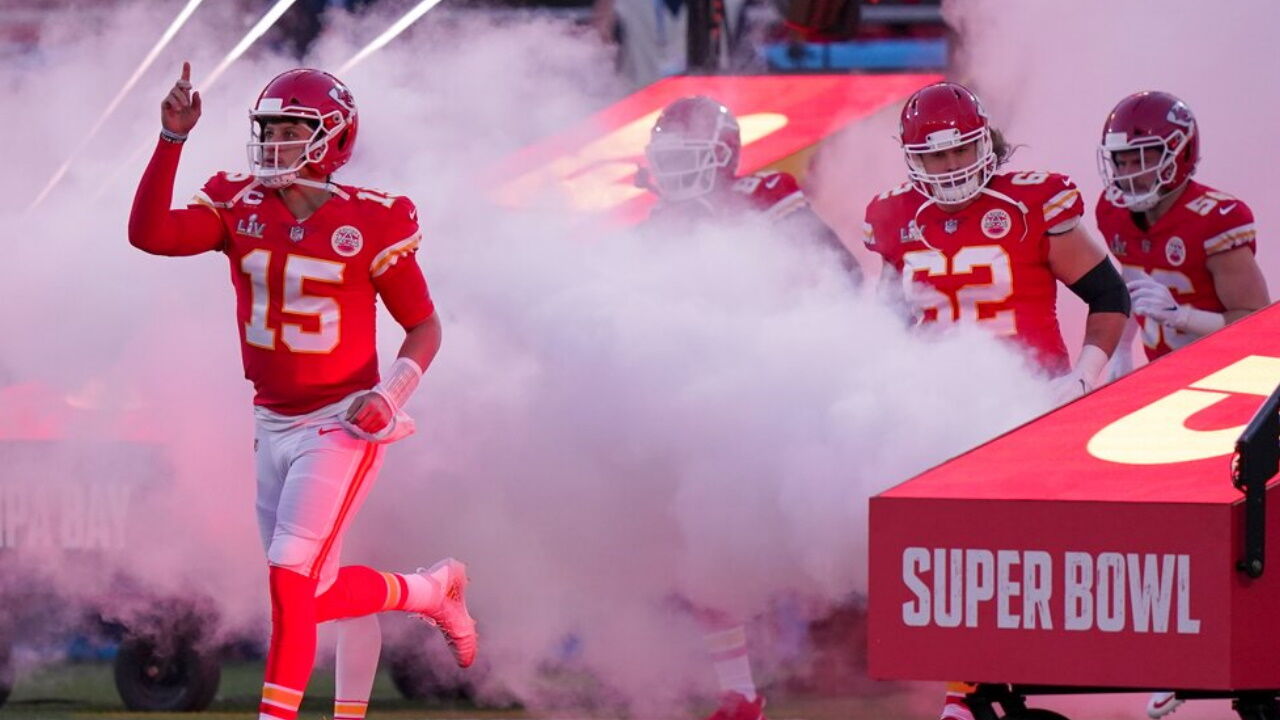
186	71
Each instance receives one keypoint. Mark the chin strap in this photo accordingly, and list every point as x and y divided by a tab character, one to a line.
318	185
277	182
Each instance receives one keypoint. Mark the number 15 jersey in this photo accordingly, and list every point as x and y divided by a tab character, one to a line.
306	289
988	263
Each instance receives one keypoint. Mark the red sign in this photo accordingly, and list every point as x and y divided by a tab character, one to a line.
1095	546
594	164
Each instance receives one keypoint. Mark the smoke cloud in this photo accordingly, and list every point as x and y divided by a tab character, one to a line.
621	425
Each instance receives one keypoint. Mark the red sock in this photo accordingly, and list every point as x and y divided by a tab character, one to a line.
359	591
293	644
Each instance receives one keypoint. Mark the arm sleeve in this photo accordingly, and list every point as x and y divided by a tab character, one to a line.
159	230
1064	208
395	270
1232	229
880	243
1103	289
403	289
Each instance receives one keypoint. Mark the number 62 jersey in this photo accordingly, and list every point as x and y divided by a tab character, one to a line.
306	289
987	264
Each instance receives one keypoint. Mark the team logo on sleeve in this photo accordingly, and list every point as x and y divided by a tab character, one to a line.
1175	251
996	224
347	241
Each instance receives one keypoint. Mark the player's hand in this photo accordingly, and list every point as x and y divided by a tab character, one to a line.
370	412
181	107
1069	387
1153	300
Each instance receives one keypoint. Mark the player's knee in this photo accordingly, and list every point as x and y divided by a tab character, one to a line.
292	552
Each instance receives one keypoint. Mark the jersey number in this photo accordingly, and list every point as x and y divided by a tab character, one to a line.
970	300
297	268
1208	201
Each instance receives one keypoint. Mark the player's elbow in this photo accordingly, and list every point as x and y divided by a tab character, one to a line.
138	239
142	234
430	328
1103	290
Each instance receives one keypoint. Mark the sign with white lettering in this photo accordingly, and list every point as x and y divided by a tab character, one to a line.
1095	546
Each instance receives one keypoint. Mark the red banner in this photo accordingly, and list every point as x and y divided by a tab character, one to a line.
594	163
1094	546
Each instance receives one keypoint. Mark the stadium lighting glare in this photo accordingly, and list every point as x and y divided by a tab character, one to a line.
249	39
389	34
258	30
146	63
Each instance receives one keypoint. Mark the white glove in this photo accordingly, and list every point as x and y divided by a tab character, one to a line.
1083	377
402	379
1068	388
1155	301
400	427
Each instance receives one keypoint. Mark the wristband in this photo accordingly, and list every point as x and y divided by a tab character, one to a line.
1198	322
402	379
1090	363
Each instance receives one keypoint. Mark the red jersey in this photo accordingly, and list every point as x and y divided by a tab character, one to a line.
988	263
306	289
773	194
1174	251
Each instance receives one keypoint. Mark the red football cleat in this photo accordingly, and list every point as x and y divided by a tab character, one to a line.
735	706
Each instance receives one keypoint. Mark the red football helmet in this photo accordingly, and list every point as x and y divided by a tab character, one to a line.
694	145
316	98
940	117
1140	122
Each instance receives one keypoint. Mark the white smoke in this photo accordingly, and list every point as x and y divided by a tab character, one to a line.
616	420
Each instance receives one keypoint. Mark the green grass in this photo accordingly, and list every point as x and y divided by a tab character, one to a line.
87	691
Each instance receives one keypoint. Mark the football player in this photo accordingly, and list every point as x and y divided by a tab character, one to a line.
964	243
1186	249
308	259
692	166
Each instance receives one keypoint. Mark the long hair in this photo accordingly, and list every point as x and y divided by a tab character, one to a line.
1001	147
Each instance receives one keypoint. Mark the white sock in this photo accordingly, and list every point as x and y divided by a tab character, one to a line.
424	593
359	645
728	649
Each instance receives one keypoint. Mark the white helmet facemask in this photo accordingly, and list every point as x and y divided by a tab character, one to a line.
954	186
265	156
1142	189
684	169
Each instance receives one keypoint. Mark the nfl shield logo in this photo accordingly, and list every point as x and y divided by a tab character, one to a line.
295	233
951	225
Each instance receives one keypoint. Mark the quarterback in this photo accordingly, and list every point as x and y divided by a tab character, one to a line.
308	259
